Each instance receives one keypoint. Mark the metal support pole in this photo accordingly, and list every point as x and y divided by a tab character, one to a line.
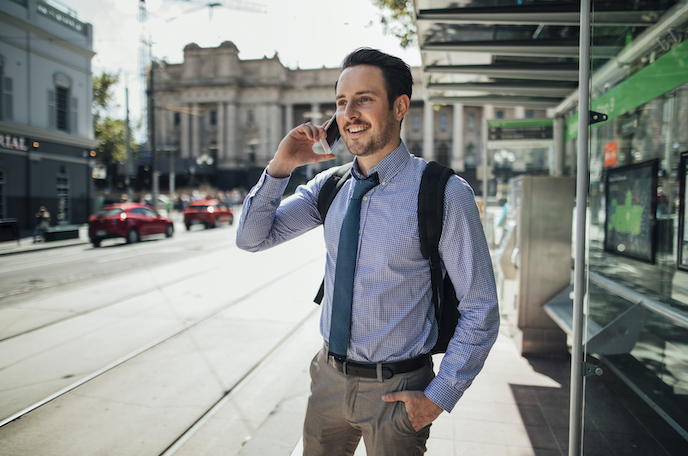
488	114
127	170
151	138
579	283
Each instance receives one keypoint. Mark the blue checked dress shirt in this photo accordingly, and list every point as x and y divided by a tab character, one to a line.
392	314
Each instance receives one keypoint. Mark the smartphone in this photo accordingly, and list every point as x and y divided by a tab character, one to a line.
333	136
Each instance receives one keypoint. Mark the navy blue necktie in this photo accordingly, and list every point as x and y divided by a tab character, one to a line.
340	325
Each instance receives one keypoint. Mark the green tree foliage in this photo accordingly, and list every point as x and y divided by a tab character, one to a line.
110	132
397	20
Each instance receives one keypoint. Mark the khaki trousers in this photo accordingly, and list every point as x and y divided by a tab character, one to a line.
343	409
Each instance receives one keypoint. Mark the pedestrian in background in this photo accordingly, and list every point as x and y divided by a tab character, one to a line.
42	224
388	322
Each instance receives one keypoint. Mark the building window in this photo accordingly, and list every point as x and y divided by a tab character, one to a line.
500	114
61	97
63	199
6	108
177	119
470	121
443	122
416	122
529	113
62	107
213	117
250	117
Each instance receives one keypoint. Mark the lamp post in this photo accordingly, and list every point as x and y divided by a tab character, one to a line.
204	160
155	189
192	174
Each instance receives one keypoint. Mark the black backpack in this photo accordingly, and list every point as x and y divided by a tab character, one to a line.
430	217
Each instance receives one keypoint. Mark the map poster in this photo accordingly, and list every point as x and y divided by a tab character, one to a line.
630	200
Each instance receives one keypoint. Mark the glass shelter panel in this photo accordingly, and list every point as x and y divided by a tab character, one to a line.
637	298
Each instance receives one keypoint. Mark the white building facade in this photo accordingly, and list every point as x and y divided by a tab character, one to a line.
46	123
223	118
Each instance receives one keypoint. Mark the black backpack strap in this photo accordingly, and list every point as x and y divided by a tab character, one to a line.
331	187
327	193
430	220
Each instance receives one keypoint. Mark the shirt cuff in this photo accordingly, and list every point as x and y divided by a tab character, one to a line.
443	394
271	186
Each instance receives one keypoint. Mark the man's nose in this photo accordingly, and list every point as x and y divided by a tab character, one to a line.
350	112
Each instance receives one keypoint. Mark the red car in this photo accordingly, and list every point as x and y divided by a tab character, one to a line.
211	213
128	220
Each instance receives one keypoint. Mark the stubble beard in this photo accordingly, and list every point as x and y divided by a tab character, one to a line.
376	143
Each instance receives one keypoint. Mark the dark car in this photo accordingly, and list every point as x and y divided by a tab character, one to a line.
128	220
211	213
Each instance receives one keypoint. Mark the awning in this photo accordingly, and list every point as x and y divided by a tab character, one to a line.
519	52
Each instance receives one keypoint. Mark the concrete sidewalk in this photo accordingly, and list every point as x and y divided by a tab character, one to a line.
26	244
514	407
520	407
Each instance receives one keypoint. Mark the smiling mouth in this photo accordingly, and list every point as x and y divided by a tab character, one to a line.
357	128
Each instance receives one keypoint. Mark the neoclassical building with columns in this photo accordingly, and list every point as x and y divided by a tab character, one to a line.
219	119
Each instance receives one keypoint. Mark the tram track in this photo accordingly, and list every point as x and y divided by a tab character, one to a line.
160	340
202	420
43	285
111	272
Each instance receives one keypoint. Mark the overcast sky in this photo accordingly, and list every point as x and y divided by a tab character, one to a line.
304	33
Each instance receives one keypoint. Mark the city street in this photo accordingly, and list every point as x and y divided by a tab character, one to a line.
122	349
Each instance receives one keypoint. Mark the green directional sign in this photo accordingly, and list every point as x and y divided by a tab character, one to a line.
666	73
519	133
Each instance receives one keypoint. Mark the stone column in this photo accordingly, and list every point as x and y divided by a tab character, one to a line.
161	125
275	128
428	131
458	162
184	134
559	159
288	118
195	131
315	113
263	120
221	140
488	114
405	128
231	151
520	112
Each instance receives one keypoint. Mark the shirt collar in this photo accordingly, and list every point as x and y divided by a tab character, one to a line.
388	167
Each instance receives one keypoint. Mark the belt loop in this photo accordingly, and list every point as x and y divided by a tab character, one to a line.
344	370
379	372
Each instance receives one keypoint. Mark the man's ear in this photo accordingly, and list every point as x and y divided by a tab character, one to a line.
401	106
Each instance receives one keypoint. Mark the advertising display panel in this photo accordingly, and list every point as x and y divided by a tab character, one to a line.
682	254
630	210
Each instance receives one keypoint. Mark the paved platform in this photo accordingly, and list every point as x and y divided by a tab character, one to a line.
516	407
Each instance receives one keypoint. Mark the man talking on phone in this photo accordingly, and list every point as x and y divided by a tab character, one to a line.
377	312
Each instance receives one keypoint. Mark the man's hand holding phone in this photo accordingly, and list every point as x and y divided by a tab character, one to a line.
296	149
328	143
